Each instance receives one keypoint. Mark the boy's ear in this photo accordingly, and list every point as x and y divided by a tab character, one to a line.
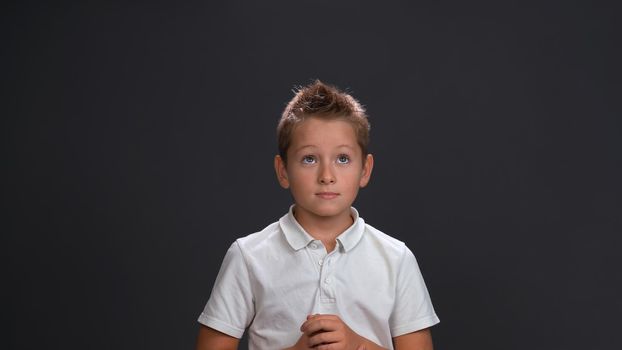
368	166
281	171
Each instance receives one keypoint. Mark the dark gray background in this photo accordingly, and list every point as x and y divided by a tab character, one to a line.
138	141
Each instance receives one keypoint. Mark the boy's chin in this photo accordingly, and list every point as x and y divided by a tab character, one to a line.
327	212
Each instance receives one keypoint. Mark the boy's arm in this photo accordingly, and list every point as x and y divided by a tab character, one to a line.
419	340
210	339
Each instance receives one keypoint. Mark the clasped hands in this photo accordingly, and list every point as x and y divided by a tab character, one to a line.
329	332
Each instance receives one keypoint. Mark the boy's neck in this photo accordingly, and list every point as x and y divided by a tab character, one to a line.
326	229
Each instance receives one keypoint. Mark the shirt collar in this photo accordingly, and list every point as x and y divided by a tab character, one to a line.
298	238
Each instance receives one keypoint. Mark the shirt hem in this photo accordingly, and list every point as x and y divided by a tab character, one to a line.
418	324
220	326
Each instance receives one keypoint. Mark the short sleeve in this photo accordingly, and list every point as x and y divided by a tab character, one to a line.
230	308
413	308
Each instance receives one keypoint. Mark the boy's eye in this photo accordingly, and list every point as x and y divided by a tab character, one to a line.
343	159
308	160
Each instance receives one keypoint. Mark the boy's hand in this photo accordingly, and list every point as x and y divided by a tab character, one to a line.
329	332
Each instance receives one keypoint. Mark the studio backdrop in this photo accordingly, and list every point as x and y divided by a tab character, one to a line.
138	140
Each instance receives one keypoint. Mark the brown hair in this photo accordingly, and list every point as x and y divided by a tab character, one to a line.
322	101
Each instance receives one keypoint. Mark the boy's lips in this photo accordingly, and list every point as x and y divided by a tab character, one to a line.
327	195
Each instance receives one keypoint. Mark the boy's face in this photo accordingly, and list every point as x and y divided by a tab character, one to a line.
325	168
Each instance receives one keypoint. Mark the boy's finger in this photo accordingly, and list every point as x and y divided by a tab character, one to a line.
323	338
318	325
318	317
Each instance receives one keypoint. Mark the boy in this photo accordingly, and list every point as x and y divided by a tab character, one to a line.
320	278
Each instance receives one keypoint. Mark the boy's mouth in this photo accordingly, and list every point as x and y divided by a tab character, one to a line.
327	195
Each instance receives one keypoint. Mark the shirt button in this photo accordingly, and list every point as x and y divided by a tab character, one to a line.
320	262
313	246
327	280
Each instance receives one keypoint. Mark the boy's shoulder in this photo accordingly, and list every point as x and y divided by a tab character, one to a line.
382	240
261	239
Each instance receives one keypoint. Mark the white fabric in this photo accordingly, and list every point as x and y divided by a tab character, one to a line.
271	280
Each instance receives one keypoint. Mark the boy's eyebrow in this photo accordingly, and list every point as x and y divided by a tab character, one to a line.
298	149
344	145
303	147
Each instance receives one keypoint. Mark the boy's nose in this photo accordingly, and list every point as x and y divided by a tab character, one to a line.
327	180
326	176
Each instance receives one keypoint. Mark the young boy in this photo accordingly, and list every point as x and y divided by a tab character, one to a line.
320	278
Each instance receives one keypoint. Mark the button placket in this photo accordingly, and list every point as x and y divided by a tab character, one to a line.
327	279
317	254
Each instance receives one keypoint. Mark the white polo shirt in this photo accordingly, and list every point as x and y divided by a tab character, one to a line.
271	280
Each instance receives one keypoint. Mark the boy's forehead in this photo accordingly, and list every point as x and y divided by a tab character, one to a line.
314	132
